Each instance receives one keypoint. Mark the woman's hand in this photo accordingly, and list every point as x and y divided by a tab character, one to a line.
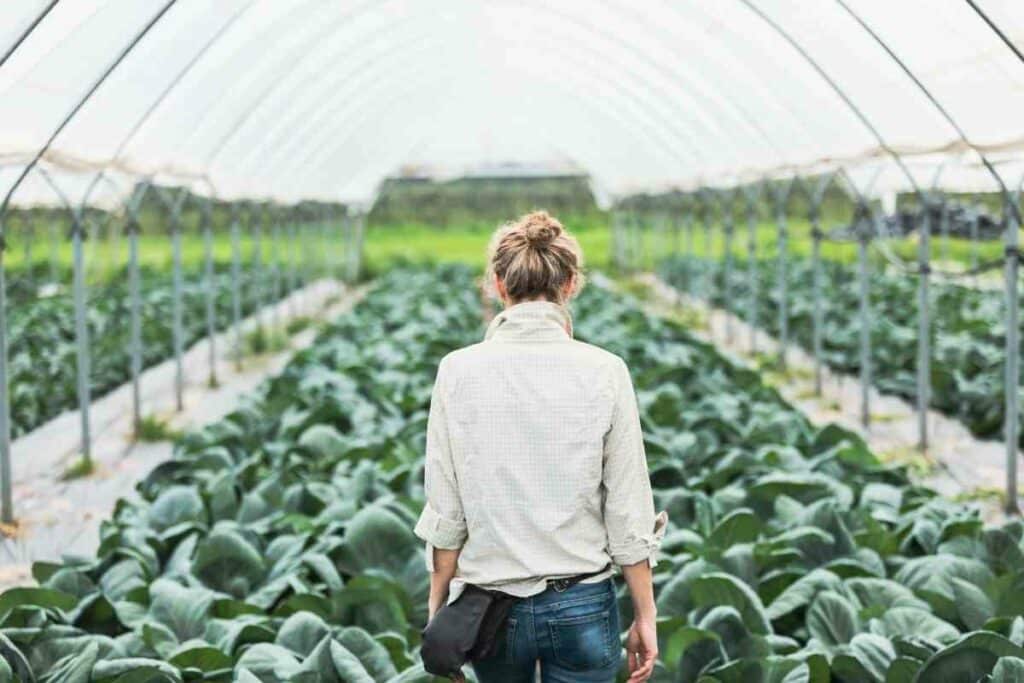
641	650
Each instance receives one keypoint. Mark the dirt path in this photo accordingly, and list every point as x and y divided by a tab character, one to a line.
58	517
956	464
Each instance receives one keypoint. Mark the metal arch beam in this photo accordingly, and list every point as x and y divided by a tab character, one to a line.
630	76
672	76
554	142
996	29
332	151
935	103
315	84
330	132
85	98
321	107
340	86
413	144
27	32
335	121
682	26
127	139
336	96
267	92
836	88
304	161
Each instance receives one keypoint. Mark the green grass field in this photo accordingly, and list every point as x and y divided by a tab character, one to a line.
417	243
658	240
387	245
105	257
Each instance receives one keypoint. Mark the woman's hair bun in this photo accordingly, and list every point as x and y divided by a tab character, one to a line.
540	228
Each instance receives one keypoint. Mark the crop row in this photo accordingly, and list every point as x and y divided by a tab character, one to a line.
967	348
42	343
277	544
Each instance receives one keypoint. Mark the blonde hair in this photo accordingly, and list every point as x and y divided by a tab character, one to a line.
535	257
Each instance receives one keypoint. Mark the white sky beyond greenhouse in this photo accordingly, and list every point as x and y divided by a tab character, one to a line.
320	99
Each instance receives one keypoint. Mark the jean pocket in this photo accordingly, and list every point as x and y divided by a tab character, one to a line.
582	643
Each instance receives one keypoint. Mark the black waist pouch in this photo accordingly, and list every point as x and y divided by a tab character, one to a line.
468	629
465	630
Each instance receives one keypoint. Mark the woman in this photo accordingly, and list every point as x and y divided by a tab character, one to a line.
536	474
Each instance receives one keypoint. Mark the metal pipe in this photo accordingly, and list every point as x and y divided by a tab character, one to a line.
293	261
177	313
863	238
816	200
275	268
708	283
616	219
54	247
1012	377
236	286
135	323
81	334
81	102
28	31
690	247
975	224
752	267
358	247
211	291
727	210
674	217
781	197
924	327
30	232
6	498
817	317
256	264
945	218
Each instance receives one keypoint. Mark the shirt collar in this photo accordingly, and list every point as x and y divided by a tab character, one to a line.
531	321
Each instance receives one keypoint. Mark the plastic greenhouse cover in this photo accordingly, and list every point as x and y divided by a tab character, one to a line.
294	99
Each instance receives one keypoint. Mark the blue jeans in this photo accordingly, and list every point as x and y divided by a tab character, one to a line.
574	634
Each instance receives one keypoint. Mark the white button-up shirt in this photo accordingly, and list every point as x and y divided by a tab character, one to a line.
535	462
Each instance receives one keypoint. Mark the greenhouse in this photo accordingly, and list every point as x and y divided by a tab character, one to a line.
247	245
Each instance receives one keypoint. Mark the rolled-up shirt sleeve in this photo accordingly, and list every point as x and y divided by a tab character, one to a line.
442	523
634	530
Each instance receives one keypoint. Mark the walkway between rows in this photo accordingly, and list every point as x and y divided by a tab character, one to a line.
957	464
58	516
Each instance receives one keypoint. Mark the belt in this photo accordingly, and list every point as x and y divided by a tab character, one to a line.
565	583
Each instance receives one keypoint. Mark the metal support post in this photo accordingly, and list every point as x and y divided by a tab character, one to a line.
177	312
81	333
236	284
924	327
781	198
6	498
135	322
211	290
730	225
1012	377
753	316
864	227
